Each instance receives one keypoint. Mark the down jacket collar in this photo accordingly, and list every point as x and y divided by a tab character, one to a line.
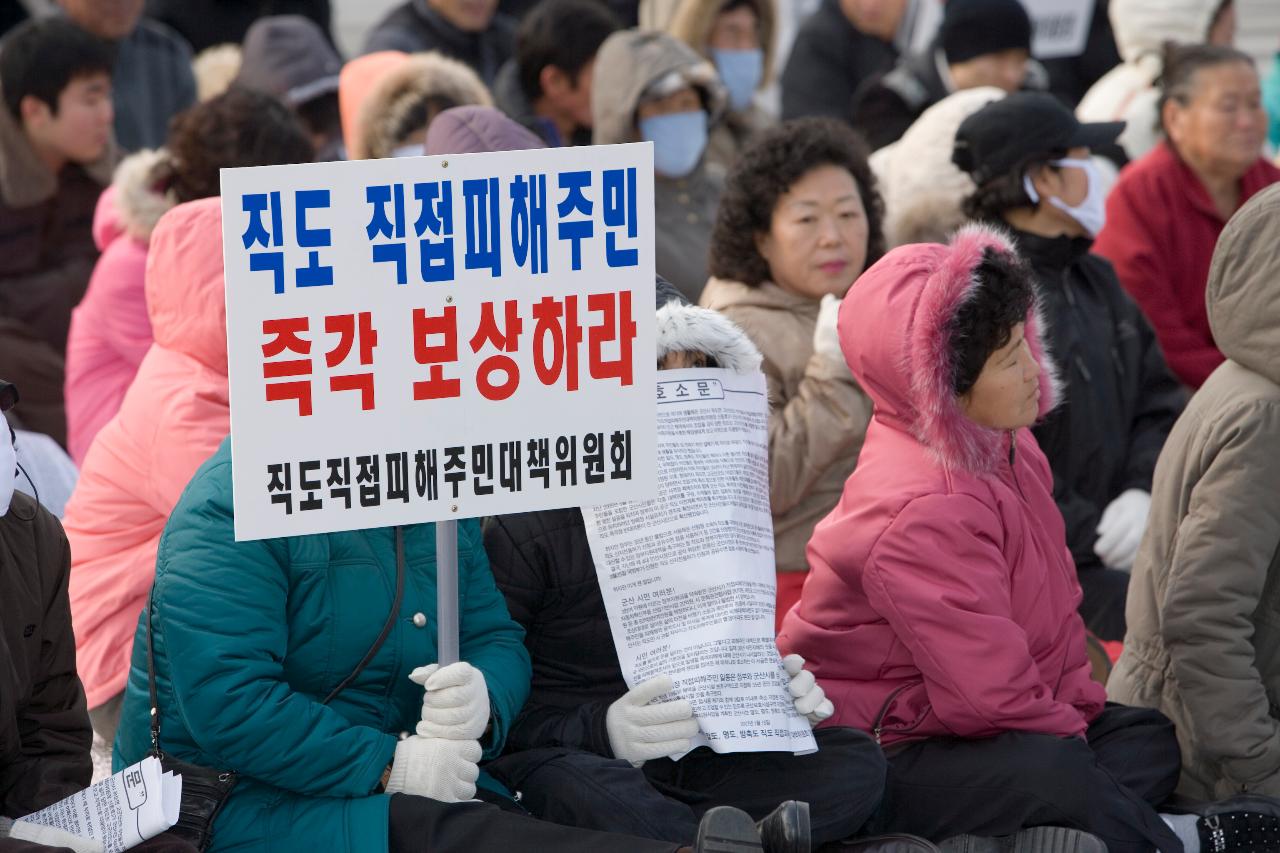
133	204
893	330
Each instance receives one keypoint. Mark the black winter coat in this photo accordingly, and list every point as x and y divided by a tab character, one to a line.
415	27
1120	398
44	725
542	563
829	60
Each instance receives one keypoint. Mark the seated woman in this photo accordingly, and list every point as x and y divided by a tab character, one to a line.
257	647
1202	644
1165	213
940	613
800	220
1035	175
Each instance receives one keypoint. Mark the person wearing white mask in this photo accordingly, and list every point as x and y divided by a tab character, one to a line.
649	87
737	36
1030	159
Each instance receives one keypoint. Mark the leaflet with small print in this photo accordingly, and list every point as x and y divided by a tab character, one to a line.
688	578
122	811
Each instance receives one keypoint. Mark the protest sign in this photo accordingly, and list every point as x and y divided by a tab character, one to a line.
432	338
688	577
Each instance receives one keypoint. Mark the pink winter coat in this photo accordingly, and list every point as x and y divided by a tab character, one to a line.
110	330
941	598
173	417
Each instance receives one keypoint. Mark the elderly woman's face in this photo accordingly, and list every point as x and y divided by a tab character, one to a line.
817	241
1007	393
1222	125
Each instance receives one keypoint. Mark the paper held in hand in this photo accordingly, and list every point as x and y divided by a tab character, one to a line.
120	812
688	578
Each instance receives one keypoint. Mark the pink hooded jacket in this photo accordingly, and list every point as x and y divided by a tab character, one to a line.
110	331
941	598
173	417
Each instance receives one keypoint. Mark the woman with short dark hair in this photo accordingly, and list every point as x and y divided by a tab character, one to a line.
799	221
940	613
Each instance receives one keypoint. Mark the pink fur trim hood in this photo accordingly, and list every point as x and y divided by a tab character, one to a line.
892	329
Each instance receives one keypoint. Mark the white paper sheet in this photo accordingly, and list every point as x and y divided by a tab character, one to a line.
120	812
688	578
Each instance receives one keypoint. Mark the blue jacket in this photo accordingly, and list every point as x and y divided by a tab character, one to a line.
250	636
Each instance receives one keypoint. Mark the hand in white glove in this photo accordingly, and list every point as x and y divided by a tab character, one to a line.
639	731
456	702
826	340
52	837
444	770
810	699
1121	527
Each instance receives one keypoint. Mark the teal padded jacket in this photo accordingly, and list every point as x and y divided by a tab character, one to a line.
250	636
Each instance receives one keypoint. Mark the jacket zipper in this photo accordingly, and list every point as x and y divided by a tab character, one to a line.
877	728
1013	469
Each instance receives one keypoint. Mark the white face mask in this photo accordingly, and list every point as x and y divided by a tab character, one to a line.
1090	213
8	467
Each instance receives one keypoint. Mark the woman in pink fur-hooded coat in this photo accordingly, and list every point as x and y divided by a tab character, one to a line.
940	609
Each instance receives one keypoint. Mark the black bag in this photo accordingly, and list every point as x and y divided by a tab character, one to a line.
205	791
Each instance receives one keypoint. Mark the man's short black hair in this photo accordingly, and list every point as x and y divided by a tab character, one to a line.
984	322
42	56
565	34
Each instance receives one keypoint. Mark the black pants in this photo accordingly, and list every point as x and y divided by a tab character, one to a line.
1108	786
420	825
842	783
1102	607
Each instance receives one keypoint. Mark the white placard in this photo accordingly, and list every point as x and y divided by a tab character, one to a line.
1059	28
424	338
688	578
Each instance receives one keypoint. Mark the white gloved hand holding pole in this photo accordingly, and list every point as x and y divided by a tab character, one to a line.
1121	527
639	732
442	769
51	836
456	702
810	699
826	338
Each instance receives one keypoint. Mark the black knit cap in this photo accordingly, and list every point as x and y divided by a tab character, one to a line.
972	28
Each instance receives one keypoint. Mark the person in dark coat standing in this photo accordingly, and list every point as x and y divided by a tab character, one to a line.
470	31
835	52
1030	159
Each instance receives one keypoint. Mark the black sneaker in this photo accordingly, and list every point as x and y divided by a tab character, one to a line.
1038	839
786	829
1248	823
725	829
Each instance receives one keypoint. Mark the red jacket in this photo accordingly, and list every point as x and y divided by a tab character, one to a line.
941	598
1160	233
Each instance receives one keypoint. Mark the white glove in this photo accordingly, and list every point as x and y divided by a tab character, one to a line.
52	837
1121	527
810	699
456	702
444	770
639	731
826	340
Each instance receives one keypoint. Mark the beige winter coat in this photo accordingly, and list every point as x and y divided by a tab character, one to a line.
818	415
1204	601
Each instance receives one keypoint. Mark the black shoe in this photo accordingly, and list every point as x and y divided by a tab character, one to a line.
1038	839
725	829
898	842
786	829
1249	823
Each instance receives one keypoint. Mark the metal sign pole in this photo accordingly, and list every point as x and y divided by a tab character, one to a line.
447	591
